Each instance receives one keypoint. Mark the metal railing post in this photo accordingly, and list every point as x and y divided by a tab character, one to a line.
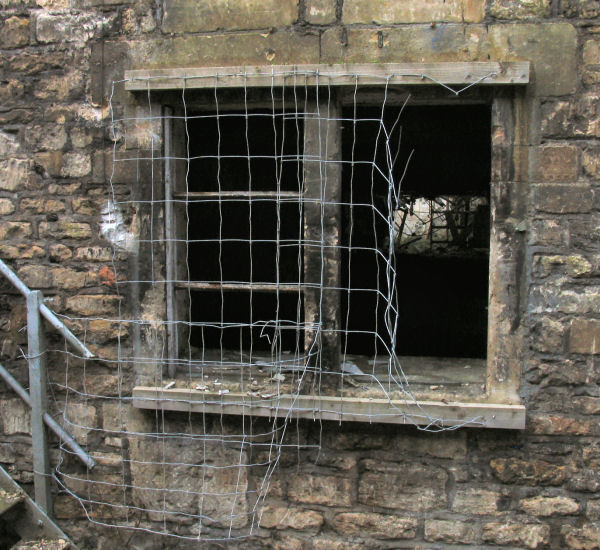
39	401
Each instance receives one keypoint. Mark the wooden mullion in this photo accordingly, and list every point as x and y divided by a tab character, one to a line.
171	253
322	221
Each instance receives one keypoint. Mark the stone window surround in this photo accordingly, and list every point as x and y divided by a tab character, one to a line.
499	404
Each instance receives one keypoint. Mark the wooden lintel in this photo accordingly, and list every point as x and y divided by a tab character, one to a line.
437	414
449	73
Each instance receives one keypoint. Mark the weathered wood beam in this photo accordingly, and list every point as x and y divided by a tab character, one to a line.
317	407
462	73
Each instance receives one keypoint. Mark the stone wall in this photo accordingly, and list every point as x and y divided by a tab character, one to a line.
370	486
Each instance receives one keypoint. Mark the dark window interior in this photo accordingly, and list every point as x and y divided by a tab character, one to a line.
441	297
249	238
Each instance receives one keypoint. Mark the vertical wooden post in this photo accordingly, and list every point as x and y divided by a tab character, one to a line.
171	268
322	225
39	401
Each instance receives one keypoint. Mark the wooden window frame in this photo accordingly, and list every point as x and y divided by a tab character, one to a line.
499	406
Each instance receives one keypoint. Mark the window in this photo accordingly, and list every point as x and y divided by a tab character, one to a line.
326	239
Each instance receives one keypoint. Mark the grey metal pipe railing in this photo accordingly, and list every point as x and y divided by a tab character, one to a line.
49	421
37	379
46	312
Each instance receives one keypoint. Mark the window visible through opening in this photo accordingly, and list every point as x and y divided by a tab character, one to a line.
441	230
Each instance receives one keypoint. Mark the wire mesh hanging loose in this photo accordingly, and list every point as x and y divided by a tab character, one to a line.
256	237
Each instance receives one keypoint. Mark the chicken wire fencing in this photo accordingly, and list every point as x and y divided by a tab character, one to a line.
261	239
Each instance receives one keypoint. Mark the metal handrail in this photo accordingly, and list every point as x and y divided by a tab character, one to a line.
36	398
48	420
46	312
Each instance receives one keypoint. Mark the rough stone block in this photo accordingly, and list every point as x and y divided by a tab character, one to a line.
547	299
560	425
222	50
321	12
553	233
584	336
579	117
114	416
574	266
65	230
412	487
476	501
67	507
61	87
60	253
15	417
580	8
557	163
329	543
561	198
76	165
407	11
378	526
14	230
21	251
587	405
590	161
324	490
64	28
179	479
549	506
39	276
183	16
284	517
80	420
531	535
9	145
520	9
87	207
591	52
556	374
41	206
101	254
105	385
585	480
46	137
438	530
51	162
451	445
528	472
89	305
15	32
581	538
14	174
593	509
6	207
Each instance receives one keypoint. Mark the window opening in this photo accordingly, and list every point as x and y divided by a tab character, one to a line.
440	230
